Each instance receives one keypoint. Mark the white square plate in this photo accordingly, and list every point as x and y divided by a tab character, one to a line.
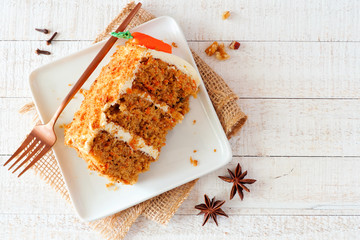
92	199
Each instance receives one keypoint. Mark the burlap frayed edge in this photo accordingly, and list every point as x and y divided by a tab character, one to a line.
162	213
47	162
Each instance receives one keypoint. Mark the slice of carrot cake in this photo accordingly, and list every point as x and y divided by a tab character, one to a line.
123	121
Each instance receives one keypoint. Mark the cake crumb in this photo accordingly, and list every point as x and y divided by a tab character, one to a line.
215	150
226	15
62	125
174	44
83	91
69	84
194	122
193	162
195	151
112	186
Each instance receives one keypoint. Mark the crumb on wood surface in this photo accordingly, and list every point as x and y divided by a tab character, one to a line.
218	50
221	54
212	48
225	15
234	45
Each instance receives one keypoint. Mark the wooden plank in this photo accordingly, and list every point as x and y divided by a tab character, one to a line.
29	195
41	227
185	227
276	127
249	227
18	60
260	20
256	70
289	70
299	127
285	186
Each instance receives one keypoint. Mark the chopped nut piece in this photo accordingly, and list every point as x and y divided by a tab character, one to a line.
212	49
234	45
221	54
225	15
174	45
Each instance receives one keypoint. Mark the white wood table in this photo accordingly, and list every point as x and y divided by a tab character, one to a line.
297	73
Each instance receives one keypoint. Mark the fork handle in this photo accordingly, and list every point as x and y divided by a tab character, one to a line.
95	62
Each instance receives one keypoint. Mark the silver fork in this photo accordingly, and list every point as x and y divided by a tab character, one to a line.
42	137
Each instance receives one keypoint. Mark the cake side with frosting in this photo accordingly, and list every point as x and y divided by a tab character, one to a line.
123	121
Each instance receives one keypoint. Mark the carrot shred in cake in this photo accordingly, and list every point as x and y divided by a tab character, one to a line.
122	123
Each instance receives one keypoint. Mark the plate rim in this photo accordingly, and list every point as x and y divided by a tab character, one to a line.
226	144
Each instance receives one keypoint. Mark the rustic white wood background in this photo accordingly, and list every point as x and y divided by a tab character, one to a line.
297	73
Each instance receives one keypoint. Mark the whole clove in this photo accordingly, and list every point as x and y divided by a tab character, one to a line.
38	52
43	30
48	42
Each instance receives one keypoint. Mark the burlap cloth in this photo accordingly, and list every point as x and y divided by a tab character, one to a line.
161	208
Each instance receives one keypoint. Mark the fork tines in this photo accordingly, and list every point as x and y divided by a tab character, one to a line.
31	148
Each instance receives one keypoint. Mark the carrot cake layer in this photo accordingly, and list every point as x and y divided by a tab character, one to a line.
122	123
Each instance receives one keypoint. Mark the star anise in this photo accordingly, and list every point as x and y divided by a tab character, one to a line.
238	182
211	209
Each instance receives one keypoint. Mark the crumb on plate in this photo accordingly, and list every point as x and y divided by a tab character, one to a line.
193	162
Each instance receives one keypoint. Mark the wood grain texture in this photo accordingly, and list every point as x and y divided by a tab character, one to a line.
59	227
259	20
263	70
297	75
285	186
299	127
250	227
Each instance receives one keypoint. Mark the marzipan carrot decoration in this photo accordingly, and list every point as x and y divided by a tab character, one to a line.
144	40
150	42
